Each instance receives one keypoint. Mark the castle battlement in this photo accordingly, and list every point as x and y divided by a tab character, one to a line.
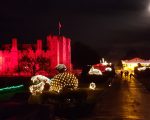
28	59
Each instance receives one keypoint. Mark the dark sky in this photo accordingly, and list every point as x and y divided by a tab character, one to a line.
114	27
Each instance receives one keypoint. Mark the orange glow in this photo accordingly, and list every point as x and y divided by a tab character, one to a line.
131	64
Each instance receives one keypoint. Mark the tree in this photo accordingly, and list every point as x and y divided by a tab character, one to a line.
83	55
26	64
43	64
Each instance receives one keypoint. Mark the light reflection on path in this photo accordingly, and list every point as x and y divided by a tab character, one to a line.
127	99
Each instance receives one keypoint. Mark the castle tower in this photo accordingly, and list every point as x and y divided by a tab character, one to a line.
59	50
14	44
39	48
13	56
68	53
39	44
53	50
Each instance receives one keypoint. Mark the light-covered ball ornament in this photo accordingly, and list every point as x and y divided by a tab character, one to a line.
63	80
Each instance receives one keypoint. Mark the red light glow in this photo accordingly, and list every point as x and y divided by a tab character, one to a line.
27	61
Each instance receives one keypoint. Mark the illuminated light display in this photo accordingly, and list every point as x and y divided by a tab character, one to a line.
142	68
40	78
92	86
60	67
102	66
58	83
39	82
131	64
63	80
105	63
24	62
94	71
11	87
108	69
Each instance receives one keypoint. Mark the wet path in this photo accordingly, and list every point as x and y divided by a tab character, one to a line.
127	99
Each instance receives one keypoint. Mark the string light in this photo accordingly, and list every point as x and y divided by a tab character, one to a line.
11	87
92	86
94	71
108	69
39	82
56	84
63	80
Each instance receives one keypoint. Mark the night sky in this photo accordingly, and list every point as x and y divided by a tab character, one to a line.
110	28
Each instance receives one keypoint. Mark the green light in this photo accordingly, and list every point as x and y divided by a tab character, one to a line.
11	87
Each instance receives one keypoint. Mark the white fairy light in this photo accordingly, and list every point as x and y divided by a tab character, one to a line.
92	86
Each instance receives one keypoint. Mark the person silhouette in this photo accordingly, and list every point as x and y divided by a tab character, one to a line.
126	73
121	73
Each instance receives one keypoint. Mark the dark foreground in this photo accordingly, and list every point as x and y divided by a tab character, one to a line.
68	105
127	99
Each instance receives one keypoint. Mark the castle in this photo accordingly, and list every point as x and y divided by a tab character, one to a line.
29	59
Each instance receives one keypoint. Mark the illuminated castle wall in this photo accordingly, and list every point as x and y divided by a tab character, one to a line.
26	59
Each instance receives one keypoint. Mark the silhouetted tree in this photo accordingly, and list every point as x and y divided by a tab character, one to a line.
83	55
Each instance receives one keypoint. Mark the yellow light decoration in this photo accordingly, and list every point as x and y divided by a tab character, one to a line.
92	86
63	80
56	84
39	82
131	64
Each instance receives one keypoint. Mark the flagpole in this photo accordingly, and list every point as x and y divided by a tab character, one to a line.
59	31
59	27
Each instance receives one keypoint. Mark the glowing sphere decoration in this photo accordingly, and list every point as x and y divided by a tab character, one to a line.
92	86
108	69
39	82
63	80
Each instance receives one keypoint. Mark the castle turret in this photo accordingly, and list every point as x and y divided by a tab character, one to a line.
39	44
53	50
14	44
13	56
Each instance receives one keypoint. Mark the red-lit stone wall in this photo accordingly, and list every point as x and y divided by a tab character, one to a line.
53	50
68	53
12	60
